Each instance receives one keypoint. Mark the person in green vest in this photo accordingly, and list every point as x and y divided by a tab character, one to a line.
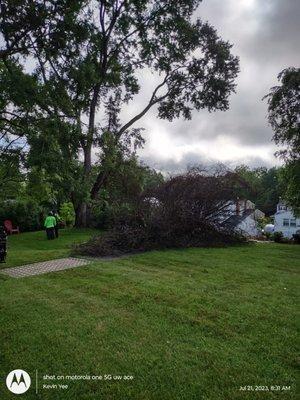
50	223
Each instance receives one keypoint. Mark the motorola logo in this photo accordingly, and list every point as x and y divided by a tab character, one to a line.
18	381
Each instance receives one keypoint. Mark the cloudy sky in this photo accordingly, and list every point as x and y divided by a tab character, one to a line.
265	35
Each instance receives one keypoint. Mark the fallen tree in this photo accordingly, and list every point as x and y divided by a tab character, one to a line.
189	210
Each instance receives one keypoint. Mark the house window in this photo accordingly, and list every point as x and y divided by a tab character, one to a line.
292	222
286	222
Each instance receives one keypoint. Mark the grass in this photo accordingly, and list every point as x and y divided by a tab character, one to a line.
186	324
33	247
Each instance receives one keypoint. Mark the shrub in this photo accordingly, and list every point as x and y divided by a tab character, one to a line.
278	237
188	210
67	213
268	235
25	213
296	238
106	214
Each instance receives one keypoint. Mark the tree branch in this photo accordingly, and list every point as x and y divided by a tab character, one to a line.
153	100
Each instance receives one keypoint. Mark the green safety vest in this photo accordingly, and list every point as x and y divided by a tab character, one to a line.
50	222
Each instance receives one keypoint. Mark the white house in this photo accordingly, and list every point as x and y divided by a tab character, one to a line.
285	221
244	217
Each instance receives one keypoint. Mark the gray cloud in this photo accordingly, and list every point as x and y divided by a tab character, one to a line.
194	159
277	35
265	35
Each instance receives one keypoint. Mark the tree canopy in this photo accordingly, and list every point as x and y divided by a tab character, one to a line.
284	117
284	112
81	59
261	185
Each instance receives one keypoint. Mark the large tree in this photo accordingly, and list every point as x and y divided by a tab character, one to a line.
284	117
86	63
11	177
284	112
290	182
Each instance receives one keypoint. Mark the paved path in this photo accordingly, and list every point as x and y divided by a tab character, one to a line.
44	267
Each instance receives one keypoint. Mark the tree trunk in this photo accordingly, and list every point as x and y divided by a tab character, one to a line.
81	216
100	181
83	211
87	160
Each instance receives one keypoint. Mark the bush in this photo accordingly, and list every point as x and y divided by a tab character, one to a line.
278	237
25	213
188	210
296	238
106	214
67	213
268	235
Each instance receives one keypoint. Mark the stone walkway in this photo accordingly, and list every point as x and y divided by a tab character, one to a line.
44	267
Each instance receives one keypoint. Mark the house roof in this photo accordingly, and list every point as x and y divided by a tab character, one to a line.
236	219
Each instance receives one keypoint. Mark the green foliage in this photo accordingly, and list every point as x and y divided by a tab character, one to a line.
262	222
105	213
39	187
260	185
268	235
83	62
290	182
67	213
296	238
124	179
22	19
11	177
278	237
284	103
25	213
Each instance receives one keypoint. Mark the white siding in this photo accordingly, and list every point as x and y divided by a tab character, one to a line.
283	222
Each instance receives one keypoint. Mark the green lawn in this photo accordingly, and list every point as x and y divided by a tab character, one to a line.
186	324
34	246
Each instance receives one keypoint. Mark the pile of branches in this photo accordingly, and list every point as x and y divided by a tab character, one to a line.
189	210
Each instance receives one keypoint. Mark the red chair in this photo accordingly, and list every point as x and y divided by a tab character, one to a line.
9	227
